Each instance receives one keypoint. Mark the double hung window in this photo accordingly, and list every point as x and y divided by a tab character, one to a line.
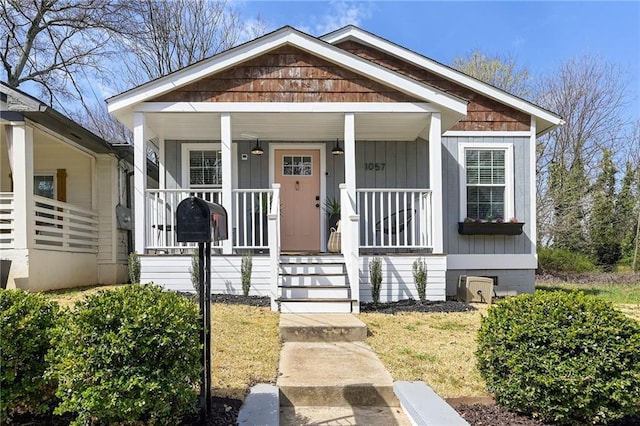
486	191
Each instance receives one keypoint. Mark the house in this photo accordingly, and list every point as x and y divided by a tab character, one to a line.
61	189
275	127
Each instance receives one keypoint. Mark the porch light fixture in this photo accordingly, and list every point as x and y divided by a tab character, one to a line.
336	149
257	150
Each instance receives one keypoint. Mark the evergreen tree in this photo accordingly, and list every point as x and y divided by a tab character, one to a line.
604	237
627	205
568	190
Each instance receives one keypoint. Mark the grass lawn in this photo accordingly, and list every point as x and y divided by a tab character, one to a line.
245	343
438	348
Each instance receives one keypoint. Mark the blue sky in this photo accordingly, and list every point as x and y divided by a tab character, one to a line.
539	35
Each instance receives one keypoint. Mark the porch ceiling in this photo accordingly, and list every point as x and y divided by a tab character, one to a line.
288	126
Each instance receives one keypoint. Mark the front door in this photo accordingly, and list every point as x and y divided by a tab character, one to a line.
298	173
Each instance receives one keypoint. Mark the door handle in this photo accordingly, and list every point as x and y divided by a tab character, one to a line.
297	185
317	205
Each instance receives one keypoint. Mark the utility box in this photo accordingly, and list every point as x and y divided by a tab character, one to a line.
475	289
199	221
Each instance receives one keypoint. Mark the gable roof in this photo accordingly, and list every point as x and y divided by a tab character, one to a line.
545	120
454	108
21	105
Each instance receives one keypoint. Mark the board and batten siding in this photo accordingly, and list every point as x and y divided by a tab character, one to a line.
455	243
397	278
173	273
406	164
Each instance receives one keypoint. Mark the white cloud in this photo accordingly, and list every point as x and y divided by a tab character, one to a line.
341	13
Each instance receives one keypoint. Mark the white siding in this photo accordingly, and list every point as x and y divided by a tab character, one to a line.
172	272
112	249
397	278
50	154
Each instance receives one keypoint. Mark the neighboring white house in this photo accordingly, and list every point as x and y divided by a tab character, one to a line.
60	187
275	127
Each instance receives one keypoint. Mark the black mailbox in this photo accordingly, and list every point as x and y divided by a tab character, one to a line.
198	221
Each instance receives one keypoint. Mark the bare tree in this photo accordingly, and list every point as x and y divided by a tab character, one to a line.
500	71
49	41
589	94
172	35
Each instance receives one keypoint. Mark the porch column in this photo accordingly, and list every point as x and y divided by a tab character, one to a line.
349	215
139	180
22	173
435	181
227	179
350	152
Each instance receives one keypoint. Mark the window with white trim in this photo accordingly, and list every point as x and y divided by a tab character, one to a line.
486	181
202	166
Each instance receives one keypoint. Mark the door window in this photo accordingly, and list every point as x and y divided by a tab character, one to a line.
297	165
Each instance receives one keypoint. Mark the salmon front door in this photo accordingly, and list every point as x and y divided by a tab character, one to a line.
298	173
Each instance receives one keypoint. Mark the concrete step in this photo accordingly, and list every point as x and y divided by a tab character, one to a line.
339	279
321	328
334	374
315	292
314	306
339	416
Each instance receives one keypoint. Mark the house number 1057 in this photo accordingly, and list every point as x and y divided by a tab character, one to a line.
374	166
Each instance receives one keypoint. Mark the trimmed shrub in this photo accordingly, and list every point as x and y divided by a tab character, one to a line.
194	270
566	357
554	261
420	278
134	268
128	355
375	273
246	266
25	333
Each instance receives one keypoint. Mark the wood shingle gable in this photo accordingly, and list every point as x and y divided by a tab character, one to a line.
286	74
483	113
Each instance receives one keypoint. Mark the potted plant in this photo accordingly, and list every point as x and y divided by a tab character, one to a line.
490	226
332	209
5	266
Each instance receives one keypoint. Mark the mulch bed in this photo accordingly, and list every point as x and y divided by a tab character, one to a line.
411	305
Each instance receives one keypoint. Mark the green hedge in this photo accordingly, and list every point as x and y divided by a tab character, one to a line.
554	261
25	331
128	355
566	357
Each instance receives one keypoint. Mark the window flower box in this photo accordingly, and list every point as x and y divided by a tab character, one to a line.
490	228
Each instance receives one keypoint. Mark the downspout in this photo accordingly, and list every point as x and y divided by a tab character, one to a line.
127	188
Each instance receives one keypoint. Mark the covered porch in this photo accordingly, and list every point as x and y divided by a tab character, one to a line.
51	225
386	179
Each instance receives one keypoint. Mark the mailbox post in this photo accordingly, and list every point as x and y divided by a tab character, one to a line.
198	221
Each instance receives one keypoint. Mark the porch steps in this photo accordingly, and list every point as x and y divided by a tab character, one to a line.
314	284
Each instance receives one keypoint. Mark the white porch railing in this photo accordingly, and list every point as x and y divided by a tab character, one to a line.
160	215
7	227
395	218
252	206
248	226
64	227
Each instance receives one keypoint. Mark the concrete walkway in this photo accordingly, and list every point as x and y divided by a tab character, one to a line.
329	376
